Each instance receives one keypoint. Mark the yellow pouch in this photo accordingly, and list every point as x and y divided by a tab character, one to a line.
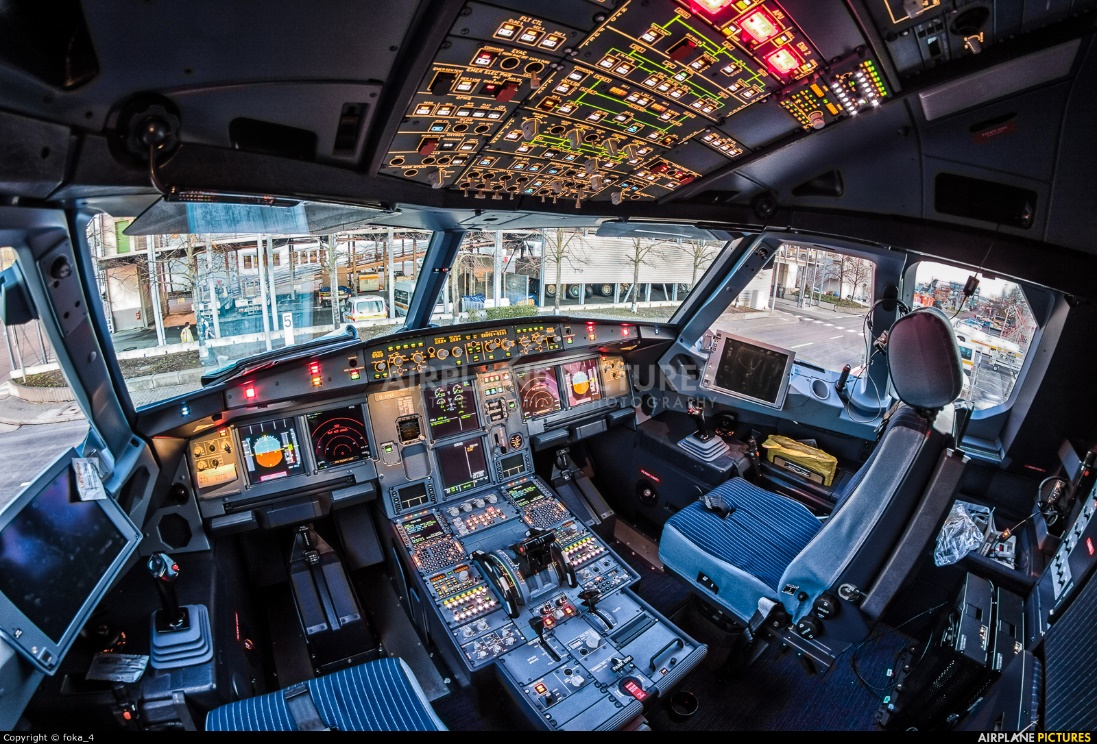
783	451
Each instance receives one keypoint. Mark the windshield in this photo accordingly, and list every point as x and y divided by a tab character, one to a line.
571	272
181	304
178	305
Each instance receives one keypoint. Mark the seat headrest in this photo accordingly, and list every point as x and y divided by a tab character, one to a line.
924	359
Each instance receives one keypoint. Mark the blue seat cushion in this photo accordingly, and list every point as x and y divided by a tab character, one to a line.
744	553
380	695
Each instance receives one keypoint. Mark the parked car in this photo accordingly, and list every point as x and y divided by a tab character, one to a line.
365	307
325	294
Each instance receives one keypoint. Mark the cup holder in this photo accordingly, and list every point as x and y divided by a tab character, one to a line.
682	705
820	389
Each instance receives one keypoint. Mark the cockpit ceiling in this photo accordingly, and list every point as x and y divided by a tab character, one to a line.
524	105
636	100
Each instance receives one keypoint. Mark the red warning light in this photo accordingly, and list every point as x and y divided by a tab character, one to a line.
784	61
314	368
759	25
711	6
249	392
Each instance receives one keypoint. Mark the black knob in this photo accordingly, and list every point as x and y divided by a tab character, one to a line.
809	626
825	606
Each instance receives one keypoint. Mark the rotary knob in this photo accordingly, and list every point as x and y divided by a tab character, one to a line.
453	511
442	353
507	344
199	451
457	351
466	506
537	337
492	345
524	340
479	503
396	359
380	366
201	465
491	498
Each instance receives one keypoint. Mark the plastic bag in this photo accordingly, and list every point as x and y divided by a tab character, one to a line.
958	537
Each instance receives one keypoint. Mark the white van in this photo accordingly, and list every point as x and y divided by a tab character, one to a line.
368	307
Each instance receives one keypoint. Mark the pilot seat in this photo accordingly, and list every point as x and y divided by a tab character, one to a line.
764	559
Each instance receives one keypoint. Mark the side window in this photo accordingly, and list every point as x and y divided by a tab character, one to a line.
809	300
39	418
994	328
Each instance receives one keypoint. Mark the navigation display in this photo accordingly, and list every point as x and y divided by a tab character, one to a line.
451	409
422	528
581	382
463	465
748	369
538	392
338	436
270	450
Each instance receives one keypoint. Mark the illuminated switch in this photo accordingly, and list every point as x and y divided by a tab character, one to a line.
484	58
427	146
507	91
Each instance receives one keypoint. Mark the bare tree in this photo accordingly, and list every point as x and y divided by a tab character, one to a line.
856	272
701	253
557	245
642	253
1018	324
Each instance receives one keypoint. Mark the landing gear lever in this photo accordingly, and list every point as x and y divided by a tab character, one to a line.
165	571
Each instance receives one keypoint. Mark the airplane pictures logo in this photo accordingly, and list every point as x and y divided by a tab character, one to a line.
1050	737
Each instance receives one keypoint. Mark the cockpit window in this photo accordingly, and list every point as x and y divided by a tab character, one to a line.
42	418
994	327
809	300
573	272
177	305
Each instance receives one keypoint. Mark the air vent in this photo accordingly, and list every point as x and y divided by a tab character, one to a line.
976	199
826	184
267	138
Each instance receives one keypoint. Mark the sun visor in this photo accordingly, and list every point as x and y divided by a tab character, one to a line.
197	212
